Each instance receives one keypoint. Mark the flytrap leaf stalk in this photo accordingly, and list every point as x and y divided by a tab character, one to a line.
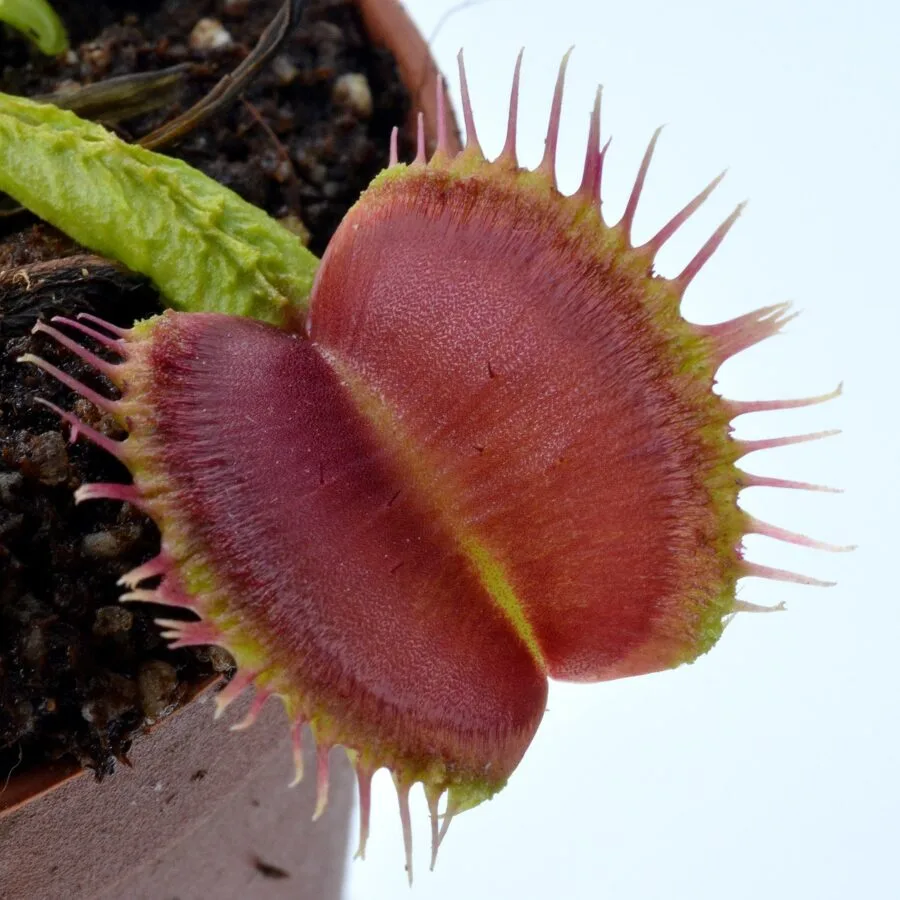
477	448
37	20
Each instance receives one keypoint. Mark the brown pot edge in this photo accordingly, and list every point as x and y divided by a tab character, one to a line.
40	780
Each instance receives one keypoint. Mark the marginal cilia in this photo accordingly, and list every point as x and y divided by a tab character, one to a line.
488	453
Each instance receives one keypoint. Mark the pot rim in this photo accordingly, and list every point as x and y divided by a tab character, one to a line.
42	778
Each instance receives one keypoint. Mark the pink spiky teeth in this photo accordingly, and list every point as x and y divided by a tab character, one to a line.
725	339
472	447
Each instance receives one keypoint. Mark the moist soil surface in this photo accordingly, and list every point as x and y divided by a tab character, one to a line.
80	673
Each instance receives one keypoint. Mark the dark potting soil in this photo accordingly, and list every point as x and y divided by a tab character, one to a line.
80	674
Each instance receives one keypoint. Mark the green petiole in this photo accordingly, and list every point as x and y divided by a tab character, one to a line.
37	20
204	247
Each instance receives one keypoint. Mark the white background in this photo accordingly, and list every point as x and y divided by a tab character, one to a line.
769	769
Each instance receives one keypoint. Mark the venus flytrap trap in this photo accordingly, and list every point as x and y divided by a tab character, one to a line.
482	449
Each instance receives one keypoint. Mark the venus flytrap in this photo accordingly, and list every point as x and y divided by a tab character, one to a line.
481	450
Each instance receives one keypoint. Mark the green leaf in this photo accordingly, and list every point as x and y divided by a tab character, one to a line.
36	19
204	247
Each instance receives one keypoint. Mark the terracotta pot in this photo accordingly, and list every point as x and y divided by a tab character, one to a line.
35	782
204	811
